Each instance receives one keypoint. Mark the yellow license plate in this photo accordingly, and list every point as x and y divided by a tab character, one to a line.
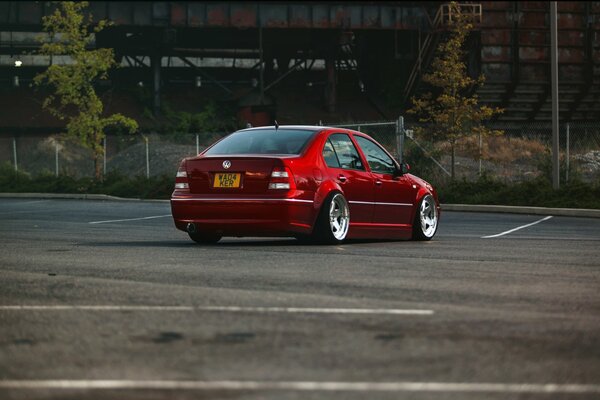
226	180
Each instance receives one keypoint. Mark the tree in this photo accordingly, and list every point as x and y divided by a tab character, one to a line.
73	97
454	112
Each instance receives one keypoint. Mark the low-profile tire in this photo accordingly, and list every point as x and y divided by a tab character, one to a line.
426	219
204	238
333	220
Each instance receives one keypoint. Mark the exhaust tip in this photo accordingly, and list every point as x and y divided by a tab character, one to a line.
191	227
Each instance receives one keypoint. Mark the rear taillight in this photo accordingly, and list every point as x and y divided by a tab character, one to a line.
181	179
282	179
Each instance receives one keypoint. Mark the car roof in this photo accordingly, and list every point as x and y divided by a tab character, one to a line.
301	127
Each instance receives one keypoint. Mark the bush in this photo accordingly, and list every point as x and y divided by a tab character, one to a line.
485	190
538	192
159	187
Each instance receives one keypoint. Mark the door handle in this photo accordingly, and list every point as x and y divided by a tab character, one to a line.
342	178
378	182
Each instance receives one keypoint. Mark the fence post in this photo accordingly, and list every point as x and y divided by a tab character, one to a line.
480	151
104	157
56	158
147	159
197	144
15	153
568	150
400	137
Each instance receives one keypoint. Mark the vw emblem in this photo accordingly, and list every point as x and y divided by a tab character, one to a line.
226	164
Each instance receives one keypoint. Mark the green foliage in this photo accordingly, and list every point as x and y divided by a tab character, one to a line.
486	190
114	184
454	111
74	97
212	119
538	192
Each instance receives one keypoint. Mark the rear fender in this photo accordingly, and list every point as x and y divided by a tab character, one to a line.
321	194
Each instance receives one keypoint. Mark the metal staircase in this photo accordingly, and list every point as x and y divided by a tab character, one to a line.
427	48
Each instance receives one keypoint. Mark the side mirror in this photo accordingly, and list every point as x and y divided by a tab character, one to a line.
404	168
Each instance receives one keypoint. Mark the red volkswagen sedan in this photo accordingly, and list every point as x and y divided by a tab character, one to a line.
311	182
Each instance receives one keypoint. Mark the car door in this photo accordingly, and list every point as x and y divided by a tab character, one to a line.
345	166
394	195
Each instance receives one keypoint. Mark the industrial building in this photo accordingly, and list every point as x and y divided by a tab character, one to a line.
302	62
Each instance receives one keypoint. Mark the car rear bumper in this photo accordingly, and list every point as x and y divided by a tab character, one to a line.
244	216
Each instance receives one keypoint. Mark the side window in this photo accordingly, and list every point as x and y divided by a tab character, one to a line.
377	158
329	155
346	152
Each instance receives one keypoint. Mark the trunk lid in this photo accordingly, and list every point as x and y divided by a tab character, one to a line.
245	175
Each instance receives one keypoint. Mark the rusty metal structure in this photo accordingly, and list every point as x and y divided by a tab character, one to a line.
355	42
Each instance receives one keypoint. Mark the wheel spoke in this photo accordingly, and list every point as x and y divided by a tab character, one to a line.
336	225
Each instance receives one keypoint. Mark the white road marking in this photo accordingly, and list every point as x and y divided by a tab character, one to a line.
33	202
306	386
517	228
299	310
129	219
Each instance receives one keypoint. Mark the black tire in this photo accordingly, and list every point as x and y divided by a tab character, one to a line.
324	231
204	238
426	219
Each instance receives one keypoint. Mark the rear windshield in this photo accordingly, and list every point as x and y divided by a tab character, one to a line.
263	141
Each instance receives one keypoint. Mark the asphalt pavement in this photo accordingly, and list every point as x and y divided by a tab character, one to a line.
105	300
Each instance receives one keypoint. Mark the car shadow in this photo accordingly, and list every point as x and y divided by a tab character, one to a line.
225	243
143	243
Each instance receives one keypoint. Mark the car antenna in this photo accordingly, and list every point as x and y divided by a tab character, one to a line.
276	125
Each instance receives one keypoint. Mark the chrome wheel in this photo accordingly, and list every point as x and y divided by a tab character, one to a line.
339	216
428	216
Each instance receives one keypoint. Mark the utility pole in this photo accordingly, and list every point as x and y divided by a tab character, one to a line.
554	80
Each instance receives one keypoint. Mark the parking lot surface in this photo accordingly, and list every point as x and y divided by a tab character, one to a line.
102	299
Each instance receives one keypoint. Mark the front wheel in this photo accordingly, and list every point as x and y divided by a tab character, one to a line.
204	238
426	219
333	221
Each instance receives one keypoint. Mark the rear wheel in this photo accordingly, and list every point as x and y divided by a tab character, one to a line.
333	221
204	238
426	219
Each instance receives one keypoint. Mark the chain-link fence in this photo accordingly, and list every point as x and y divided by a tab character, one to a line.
519	154
387	133
133	155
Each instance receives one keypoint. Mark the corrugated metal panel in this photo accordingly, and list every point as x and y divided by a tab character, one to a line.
273	15
244	15
217	15
495	54
120	12
196	14
300	16
372	15
178	14
495	37
320	16
142	13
